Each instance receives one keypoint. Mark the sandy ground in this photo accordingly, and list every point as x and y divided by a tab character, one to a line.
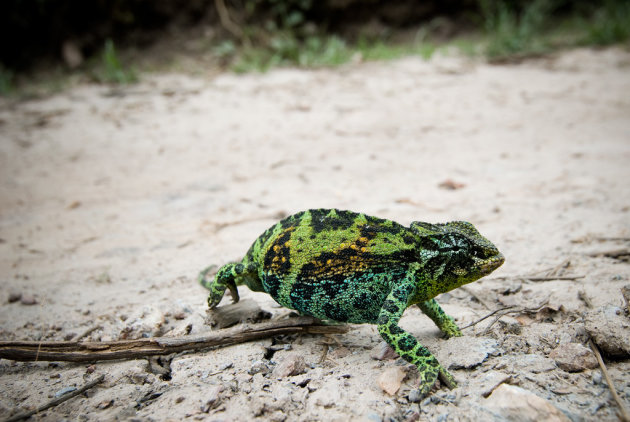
112	200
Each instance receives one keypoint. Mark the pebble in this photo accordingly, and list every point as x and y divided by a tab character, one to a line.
292	364
573	357
383	351
534	363
517	404
373	416
28	300
390	379
597	377
414	396
213	399
490	382
259	367
467	352
609	328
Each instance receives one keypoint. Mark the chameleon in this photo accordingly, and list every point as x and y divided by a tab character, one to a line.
350	267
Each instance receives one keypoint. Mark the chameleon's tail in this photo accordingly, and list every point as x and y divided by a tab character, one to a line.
203	278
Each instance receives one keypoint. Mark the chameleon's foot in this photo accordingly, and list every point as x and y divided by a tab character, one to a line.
223	280
430	376
447	379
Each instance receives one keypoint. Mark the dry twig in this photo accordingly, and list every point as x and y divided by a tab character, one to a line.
56	401
75	351
575	277
624	413
502	312
614	253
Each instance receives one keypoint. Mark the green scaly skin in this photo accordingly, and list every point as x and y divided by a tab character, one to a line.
350	267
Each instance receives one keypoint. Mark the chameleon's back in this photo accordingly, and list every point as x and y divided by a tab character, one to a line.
318	261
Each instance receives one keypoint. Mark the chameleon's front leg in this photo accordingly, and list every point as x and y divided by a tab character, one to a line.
445	322
405	344
225	279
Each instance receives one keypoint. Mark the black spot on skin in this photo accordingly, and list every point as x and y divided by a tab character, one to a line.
369	231
362	301
321	220
277	258
272	283
402	293
239	268
395	329
301	296
336	313
383	319
390	307
408	357
292	220
406	343
409	239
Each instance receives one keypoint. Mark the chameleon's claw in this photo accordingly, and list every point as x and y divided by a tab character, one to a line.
233	291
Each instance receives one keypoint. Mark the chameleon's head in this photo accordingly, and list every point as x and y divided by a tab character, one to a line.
455	253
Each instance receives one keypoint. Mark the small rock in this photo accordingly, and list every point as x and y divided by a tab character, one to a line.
510	325
258	367
609	328
450	184
374	417
325	398
534	363
414	396
105	404
339	352
517	404
391	379
28	300
467	352
292	364
597	377
383	352
573	357
490	382
213	399
14	297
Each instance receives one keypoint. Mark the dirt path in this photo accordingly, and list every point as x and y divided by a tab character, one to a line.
113	200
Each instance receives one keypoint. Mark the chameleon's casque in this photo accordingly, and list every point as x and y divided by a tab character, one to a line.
350	267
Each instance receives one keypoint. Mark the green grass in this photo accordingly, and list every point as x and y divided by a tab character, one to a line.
609	24
111	69
514	32
535	28
317	51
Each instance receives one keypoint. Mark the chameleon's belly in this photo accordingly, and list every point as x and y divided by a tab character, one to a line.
353	299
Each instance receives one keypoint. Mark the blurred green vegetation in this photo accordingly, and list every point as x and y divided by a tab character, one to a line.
111	70
256	35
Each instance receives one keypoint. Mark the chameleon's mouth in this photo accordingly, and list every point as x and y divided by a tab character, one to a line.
486	266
